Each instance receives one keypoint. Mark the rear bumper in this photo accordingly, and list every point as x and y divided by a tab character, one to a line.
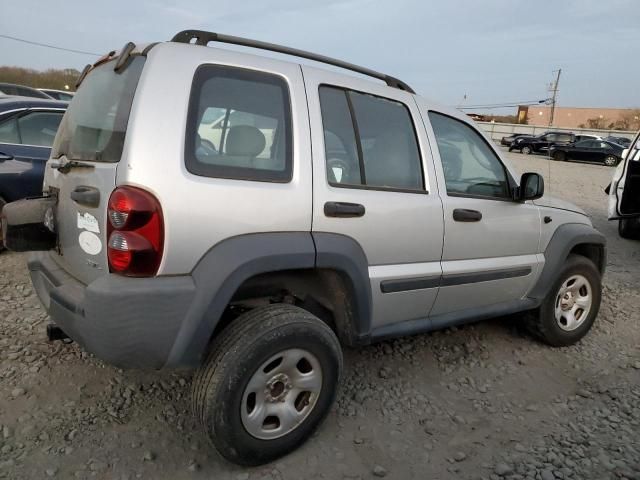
130	323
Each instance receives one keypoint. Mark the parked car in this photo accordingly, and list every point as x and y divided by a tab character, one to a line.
623	141
63	95
624	193
27	129
598	151
541	143
581	137
374	214
508	140
22	91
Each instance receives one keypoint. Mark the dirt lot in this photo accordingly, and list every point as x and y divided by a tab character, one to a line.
484	401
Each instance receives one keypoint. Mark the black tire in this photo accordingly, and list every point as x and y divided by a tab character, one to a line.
526	150
2	204
629	228
543	324
611	160
559	156
236	355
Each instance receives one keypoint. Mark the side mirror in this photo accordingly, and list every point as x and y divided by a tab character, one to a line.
531	187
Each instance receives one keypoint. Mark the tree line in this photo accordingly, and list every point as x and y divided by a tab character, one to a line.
51	78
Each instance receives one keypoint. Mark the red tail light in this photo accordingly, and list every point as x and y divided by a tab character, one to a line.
136	232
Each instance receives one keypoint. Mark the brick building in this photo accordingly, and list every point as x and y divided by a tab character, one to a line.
572	117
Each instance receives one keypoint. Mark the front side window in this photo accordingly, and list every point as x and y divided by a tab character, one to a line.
470	166
369	141
239	125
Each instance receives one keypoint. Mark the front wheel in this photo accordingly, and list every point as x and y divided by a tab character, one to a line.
611	161
269	381
526	150
571	306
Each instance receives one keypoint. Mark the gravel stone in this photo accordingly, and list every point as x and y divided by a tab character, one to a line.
379	471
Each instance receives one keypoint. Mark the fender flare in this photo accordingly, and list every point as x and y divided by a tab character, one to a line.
227	265
564	239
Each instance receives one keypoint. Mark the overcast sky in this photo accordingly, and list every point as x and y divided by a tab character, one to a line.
494	51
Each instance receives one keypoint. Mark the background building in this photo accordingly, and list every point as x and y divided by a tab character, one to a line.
572	117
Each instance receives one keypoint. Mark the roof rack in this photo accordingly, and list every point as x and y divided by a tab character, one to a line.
203	38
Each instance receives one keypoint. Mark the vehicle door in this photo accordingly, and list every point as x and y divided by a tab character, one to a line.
491	244
371	153
582	150
543	143
624	191
25	143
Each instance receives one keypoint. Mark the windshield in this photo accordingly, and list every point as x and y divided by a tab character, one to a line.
94	126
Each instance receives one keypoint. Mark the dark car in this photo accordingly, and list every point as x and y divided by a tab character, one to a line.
622	141
63	95
508	140
27	129
599	151
22	91
541	143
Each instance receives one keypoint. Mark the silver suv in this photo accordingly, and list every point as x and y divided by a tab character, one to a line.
249	217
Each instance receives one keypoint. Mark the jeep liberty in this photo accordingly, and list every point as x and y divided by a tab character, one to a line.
249	217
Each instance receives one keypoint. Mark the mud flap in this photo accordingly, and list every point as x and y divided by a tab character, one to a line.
24	224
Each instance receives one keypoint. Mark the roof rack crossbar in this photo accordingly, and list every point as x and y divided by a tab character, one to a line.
203	38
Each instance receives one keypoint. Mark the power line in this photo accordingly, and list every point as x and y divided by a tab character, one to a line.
50	46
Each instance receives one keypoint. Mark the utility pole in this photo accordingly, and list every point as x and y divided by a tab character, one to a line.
554	88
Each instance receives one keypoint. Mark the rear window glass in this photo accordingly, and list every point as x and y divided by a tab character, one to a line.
94	127
239	125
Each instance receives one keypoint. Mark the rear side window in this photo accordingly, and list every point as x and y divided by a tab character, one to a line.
369	141
239	125
39	128
94	127
9	131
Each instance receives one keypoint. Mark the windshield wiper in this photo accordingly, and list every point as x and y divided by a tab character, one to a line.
66	167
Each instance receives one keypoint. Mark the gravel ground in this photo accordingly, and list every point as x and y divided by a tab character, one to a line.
480	402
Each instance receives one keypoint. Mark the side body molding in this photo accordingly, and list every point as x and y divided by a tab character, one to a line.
564	239
224	268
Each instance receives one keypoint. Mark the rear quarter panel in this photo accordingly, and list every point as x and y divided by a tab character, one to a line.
200	212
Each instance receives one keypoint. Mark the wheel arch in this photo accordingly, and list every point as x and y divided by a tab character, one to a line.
301	262
572	238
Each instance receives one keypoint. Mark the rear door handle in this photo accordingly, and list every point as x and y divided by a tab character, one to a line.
4	157
87	196
465	215
343	209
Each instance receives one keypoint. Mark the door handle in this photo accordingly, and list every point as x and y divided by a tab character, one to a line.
87	196
4	157
465	215
343	209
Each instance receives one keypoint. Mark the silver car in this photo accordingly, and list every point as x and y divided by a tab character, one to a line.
267	213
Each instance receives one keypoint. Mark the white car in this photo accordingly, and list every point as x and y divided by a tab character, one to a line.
624	192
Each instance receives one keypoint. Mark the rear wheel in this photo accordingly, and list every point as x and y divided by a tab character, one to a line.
610	161
571	306
269	381
629	228
559	156
526	150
